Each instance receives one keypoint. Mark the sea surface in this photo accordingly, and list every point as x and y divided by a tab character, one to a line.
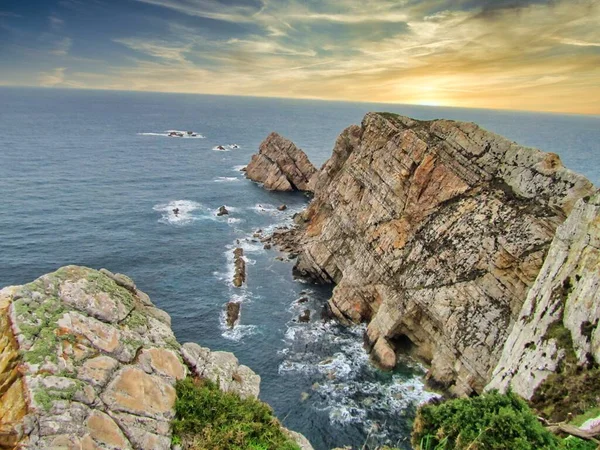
91	178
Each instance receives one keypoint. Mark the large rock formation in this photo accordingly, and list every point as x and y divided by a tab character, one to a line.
88	362
559	320
434	232
280	165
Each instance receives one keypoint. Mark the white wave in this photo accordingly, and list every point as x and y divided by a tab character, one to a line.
238	168
166	134
234	146
226	179
348	386
232	220
185	214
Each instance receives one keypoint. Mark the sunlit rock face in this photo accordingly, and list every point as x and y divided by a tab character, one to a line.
87	361
433	232
280	165
558	323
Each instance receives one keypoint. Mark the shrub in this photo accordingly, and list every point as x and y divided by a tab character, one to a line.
208	419
490	421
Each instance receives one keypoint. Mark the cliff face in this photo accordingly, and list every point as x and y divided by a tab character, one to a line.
433	233
558	324
88	362
280	165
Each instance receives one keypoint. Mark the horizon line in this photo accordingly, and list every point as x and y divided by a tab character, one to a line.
316	99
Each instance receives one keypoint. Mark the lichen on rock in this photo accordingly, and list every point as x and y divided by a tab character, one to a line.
87	361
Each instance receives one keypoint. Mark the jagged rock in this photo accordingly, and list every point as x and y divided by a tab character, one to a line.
239	275
305	316
222	211
280	165
87	362
222	368
282	207
434	232
302	300
565	297
233	313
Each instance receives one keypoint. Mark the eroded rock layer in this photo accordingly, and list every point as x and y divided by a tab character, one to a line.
88	362
559	320
433	233
280	165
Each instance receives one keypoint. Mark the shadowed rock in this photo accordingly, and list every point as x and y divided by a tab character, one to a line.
233	313
434	231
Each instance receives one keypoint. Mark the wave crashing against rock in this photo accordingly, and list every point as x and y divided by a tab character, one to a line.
433	232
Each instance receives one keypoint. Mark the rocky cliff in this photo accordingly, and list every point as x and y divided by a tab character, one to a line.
280	165
88	362
557	330
433	232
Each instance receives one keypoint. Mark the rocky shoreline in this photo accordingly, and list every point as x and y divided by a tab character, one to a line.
434	233
88	361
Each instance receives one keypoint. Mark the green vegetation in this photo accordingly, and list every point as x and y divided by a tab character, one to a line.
490	421
209	419
46	397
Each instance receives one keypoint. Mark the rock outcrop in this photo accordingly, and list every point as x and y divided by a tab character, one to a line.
280	165
88	362
239	264
433	232
559	320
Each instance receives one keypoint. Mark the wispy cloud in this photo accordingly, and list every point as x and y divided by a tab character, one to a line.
56	23
527	54
53	77
62	46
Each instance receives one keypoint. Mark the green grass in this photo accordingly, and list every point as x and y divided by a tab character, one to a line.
490	421
208	419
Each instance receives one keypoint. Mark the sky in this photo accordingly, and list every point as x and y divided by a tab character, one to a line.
538	55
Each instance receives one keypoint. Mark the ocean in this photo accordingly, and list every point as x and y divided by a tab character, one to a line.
91	178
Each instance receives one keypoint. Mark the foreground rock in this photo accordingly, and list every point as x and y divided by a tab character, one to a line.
87	361
433	233
557	330
280	165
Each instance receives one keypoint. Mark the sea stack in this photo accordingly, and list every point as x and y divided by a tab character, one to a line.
280	165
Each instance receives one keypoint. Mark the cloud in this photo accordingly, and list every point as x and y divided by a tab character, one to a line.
56	23
52	78
62	46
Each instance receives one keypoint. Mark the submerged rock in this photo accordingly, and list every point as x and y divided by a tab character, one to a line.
305	316
433	232
280	165
282	207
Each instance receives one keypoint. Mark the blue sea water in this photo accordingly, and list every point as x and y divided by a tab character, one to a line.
89	178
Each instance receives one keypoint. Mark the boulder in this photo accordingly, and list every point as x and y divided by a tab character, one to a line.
222	211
